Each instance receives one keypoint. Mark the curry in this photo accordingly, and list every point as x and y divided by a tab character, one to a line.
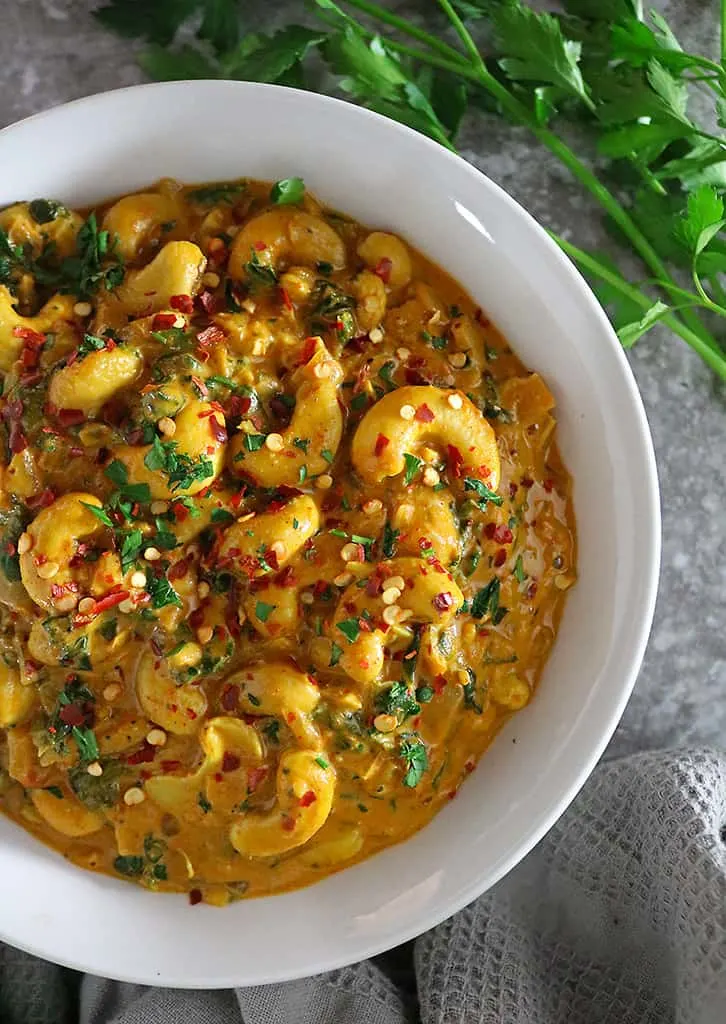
286	536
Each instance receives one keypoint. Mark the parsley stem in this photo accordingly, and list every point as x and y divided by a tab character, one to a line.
716	361
405	26
592	183
465	36
723	31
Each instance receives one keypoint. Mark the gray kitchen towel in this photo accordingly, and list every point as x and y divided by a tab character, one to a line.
617	917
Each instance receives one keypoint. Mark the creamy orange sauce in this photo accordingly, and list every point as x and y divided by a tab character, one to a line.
286	536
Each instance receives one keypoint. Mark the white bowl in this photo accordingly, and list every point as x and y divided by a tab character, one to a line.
391	177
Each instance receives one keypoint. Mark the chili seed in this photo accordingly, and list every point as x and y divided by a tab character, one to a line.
133	796
95	769
156	737
455	401
376	335
407	412
111	692
205	634
372	507
391	595
167	426
385	723
152	554
83	309
391	614
274	442
86	605
324	482
458	360
138	579
159	508
25	543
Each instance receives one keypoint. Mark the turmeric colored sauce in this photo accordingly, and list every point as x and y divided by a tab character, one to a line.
285	536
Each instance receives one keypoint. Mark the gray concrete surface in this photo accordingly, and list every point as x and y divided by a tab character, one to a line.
52	51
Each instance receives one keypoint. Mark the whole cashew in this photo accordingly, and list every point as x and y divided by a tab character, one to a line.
384	436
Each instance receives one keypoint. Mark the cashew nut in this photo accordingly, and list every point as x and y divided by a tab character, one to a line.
177	709
284	237
466	439
317	419
252	536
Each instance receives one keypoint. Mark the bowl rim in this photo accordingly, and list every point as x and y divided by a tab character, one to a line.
650	548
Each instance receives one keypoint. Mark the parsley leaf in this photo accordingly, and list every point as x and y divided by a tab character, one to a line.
350	628
263	610
161	592
287	191
413	465
486	494
181	469
412	750
399	699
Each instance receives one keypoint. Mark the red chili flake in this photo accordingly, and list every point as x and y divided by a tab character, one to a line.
531	590
176	572
549	485
71	417
200	386
72	714
512	490
308	350
481	318
503	535
287	577
181	512
415	377
217	430
288	824
143	755
230	762
255	776
500	558
527	482
424	414
191	714
443	601
382	442
439	683
383	269
455	461
170	766
260	246
308	798
469	766
42	500
271	559
208	302
196	618
182	303
10	548
286	300
229	698
163	321
110	601
211	335
195	896
374	585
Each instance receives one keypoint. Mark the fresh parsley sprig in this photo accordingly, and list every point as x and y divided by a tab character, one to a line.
606	66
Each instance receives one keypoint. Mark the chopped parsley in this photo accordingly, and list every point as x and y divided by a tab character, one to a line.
350	628
389	543
412	751
399	700
413	465
161	592
519	572
287	190
181	469
486	494
221	192
253	442
336	653
264	611
259	275
487	600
